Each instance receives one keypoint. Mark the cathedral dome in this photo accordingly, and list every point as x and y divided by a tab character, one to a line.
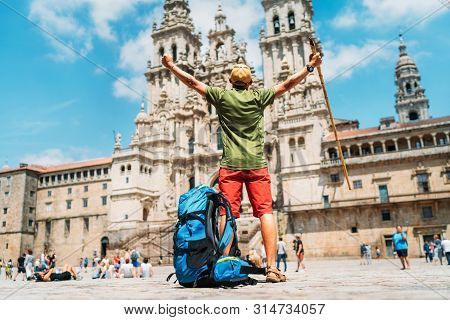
142	117
404	59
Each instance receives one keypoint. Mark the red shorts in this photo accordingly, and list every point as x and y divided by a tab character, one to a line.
257	183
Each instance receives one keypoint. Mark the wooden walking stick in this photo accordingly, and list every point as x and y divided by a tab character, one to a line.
330	113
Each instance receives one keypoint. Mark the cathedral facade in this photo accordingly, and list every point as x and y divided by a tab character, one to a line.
400	170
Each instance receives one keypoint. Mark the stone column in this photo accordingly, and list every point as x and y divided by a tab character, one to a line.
275	59
360	149
372	149
421	142
408	140
295	55
383	145
434	139
396	144
177	183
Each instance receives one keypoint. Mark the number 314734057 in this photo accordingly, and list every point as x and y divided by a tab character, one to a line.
287	308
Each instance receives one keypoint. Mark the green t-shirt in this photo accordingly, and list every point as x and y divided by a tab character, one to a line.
241	115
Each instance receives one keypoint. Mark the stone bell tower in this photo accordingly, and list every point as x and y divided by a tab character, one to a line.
411	102
297	121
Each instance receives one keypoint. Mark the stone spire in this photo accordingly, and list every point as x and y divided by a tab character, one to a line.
411	102
176	12
220	18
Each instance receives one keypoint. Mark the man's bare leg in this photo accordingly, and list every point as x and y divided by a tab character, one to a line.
402	259
223	220
408	266
269	235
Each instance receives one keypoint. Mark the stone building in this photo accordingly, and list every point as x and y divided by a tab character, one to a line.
62	208
400	171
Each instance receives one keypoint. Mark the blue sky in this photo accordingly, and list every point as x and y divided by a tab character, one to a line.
57	107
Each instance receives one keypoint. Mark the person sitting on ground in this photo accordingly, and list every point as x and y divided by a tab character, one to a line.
241	116
146	269
68	273
127	270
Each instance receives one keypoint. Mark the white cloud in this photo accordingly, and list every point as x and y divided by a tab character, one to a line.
388	12
338	58
49	157
376	14
68	20
135	53
137	82
56	156
345	19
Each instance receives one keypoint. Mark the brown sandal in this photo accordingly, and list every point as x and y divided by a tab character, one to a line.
274	275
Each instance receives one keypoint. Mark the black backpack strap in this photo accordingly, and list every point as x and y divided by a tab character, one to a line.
170	276
253	270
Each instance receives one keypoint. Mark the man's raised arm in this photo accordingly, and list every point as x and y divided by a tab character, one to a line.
184	77
295	79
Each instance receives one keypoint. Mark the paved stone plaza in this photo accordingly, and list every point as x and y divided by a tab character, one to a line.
325	279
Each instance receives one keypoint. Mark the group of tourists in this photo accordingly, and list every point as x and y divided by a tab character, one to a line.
27	268
126	266
436	249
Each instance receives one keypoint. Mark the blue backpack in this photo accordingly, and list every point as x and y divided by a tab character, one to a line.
198	247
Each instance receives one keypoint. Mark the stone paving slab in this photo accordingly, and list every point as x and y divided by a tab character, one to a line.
325	279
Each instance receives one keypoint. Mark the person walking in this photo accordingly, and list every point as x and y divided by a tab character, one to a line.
431	255
8	270
85	264
21	267
300	253
446	249
426	250
437	253
1	268
400	242
362	252
368	253
28	263
241	116
281	253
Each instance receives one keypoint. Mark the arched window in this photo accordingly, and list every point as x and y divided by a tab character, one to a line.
291	143
413	116
301	142
141	169
332	153
145	214
219	139
276	25
145	170
408	88
220	51
122	168
191	146
129	167
161	51
291	20
174	52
